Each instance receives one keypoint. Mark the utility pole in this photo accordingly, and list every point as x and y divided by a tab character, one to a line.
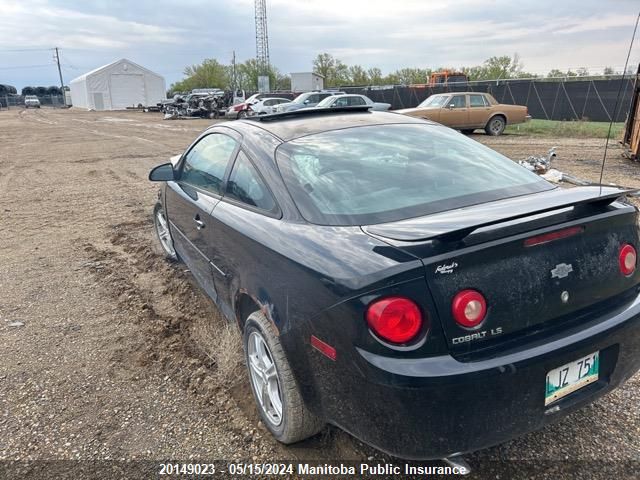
233	73
64	96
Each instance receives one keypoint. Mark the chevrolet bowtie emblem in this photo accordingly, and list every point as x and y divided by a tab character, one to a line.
561	270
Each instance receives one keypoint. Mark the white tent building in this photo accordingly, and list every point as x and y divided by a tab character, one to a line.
116	86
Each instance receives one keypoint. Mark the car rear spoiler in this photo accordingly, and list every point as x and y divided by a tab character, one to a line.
457	224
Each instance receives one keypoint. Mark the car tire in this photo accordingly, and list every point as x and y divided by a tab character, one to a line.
495	126
242	114
468	131
274	387
161	225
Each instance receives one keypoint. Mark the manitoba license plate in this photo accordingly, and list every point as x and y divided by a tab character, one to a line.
573	376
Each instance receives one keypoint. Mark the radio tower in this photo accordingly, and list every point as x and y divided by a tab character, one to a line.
262	45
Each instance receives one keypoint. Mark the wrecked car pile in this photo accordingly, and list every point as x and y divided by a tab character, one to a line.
199	104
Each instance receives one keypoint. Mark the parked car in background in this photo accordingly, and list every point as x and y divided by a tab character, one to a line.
308	99
31	101
469	111
240	107
401	281
240	110
267	105
352	100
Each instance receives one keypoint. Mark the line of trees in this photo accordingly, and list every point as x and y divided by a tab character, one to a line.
584	72
41	91
213	74
336	73
7	90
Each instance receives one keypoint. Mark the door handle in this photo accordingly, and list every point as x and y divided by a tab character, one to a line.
199	223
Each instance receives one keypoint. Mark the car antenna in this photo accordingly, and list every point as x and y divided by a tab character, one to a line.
615	108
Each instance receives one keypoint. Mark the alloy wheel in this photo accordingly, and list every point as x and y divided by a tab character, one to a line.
264	378
162	228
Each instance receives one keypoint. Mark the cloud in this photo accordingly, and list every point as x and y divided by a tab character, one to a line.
167	35
37	24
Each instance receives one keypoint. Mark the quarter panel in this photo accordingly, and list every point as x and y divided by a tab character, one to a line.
296	271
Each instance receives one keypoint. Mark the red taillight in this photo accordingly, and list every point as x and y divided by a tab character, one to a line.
550	237
395	319
627	259
469	308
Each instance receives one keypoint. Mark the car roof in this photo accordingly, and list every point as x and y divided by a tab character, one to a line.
312	121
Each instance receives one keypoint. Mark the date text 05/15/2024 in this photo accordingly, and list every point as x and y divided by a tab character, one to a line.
320	470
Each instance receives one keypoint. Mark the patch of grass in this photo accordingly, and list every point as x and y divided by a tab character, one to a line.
554	128
221	342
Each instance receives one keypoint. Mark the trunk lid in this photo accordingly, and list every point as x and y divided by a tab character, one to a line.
528	286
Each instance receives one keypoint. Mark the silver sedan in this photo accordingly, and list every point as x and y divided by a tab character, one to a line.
352	100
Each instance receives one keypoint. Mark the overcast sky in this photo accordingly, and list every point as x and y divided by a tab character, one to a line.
165	36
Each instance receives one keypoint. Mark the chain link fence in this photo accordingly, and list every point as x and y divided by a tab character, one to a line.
583	98
17	101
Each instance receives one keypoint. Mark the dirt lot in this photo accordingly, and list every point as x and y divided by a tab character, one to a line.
107	350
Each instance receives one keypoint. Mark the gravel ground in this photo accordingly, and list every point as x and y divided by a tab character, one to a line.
105	347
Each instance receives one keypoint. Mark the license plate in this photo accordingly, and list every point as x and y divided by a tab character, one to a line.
573	376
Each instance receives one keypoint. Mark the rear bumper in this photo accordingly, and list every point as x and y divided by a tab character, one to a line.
434	407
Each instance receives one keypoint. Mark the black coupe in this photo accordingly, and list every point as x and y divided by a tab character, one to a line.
402	281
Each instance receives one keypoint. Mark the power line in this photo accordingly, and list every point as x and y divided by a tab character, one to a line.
18	67
26	49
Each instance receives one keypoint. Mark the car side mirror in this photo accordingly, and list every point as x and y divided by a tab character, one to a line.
162	173
306	102
451	106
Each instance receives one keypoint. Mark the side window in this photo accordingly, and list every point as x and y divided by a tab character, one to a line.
315	98
476	101
269	103
341	102
458	101
353	101
246	186
322	96
207	161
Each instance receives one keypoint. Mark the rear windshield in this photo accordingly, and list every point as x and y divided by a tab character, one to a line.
383	173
